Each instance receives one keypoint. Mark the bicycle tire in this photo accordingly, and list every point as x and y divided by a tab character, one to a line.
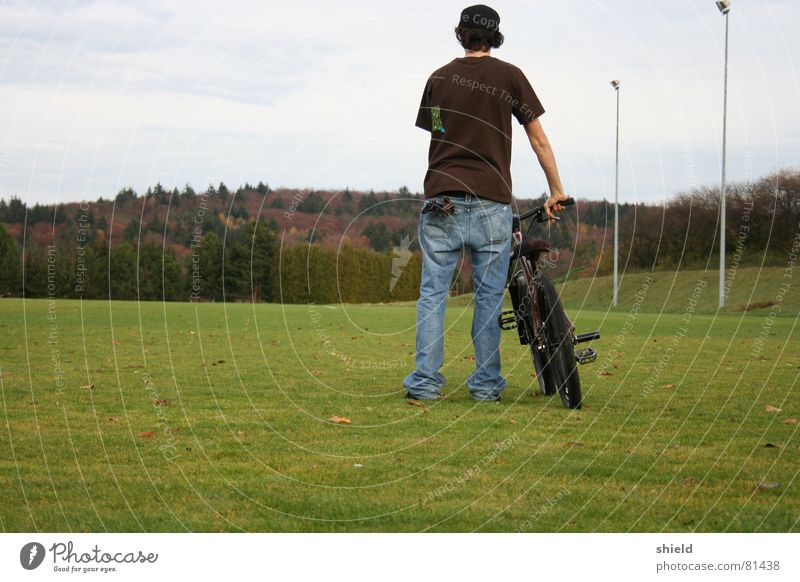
559	346
544	372
525	288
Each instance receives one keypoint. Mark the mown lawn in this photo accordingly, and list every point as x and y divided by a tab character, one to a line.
675	434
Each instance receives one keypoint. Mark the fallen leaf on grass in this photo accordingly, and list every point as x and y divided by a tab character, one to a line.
240	433
115	342
572	444
339	420
768	485
512	421
769	408
162	403
790	421
88	386
604	373
113	419
316	373
418	404
148	434
669	385
535	394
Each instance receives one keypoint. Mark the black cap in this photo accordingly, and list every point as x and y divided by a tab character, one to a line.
479	16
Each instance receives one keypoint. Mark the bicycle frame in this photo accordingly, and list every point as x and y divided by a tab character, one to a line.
524	271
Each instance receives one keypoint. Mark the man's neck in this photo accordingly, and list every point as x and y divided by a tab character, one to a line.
478	54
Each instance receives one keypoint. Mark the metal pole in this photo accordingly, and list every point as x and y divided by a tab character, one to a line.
722	187
616	210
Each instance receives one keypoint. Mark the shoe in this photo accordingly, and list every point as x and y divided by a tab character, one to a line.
486	399
409	396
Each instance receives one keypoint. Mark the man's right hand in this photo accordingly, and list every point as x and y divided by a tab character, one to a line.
553	205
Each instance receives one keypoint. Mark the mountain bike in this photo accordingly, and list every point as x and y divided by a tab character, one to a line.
539	318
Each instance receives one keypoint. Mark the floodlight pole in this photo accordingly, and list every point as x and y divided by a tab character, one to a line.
725	8
616	84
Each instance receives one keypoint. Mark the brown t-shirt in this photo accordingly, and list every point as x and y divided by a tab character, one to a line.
467	106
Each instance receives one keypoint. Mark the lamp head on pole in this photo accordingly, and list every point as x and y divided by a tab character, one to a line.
724	6
615	84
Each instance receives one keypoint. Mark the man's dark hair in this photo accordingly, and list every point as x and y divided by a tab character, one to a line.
478	39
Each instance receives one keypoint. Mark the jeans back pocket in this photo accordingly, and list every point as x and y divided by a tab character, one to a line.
495	218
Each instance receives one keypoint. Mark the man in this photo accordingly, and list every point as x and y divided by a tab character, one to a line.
467	107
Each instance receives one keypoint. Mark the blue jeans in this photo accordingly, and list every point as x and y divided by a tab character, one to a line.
483	227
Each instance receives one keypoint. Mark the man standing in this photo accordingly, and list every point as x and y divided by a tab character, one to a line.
467	107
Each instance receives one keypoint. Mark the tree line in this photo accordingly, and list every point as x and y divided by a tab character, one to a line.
153	254
247	265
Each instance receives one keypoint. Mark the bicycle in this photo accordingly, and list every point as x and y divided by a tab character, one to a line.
539	318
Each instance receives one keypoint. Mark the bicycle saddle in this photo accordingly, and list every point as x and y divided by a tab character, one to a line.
531	248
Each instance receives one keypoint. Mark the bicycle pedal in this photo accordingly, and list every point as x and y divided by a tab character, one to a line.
585	356
507	321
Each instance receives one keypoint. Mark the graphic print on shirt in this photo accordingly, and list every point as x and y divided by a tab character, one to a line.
436	117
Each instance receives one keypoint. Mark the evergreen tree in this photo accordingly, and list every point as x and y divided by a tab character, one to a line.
369	204
123	271
132	230
96	277
125	195
10	265
264	254
312	204
379	237
35	274
210	268
102	224
159	274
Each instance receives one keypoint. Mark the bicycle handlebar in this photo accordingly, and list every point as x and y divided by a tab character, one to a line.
539	214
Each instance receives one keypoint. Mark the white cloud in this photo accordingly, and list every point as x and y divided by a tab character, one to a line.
107	94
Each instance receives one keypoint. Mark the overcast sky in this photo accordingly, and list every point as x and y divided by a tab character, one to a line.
97	96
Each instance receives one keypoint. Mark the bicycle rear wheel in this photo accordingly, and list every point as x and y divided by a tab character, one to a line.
523	301
559	352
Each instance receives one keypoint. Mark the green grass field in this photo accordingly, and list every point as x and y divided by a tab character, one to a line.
211	417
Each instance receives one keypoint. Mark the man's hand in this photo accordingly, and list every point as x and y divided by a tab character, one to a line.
553	205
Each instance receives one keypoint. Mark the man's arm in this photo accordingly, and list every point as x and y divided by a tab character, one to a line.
547	160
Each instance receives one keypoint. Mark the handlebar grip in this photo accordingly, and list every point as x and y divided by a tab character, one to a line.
567	202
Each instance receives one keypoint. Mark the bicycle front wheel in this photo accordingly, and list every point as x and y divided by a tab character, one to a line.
544	372
559	352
